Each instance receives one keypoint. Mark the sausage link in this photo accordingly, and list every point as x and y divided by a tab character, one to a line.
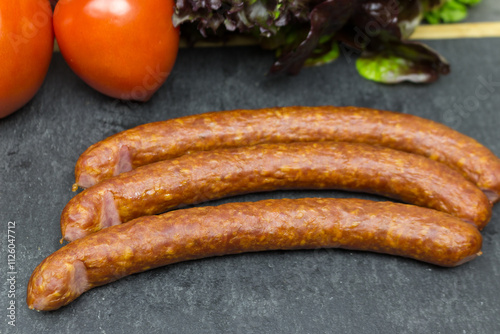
172	138
209	175
153	241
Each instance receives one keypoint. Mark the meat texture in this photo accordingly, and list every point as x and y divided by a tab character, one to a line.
153	142
154	241
209	175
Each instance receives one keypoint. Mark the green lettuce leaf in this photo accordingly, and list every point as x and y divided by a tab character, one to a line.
450	11
409	61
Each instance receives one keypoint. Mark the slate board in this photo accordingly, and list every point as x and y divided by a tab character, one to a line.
320	291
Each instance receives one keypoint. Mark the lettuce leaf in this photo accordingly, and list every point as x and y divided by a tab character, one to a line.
449	11
308	32
326	19
410	61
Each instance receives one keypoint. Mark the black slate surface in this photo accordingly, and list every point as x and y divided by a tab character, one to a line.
321	291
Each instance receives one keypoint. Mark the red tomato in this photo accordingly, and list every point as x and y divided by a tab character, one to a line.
26	46
122	48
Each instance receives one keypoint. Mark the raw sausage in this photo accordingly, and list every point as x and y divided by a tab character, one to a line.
209	175
168	139
154	241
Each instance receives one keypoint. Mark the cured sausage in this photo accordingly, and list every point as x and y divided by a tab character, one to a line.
172	138
154	241
209	175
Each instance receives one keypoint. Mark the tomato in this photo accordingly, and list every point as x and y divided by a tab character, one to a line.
122	48
26	46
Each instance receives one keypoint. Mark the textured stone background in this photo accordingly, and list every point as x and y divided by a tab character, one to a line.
274	292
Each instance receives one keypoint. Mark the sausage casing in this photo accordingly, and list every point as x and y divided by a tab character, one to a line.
154	241
209	175
172	138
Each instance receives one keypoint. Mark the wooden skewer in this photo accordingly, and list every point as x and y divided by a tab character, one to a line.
423	32
457	30
236	40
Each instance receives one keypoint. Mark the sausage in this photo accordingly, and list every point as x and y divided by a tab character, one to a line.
172	138
209	175
153	241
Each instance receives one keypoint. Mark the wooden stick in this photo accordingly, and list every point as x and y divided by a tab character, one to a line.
457	30
236	40
423	32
